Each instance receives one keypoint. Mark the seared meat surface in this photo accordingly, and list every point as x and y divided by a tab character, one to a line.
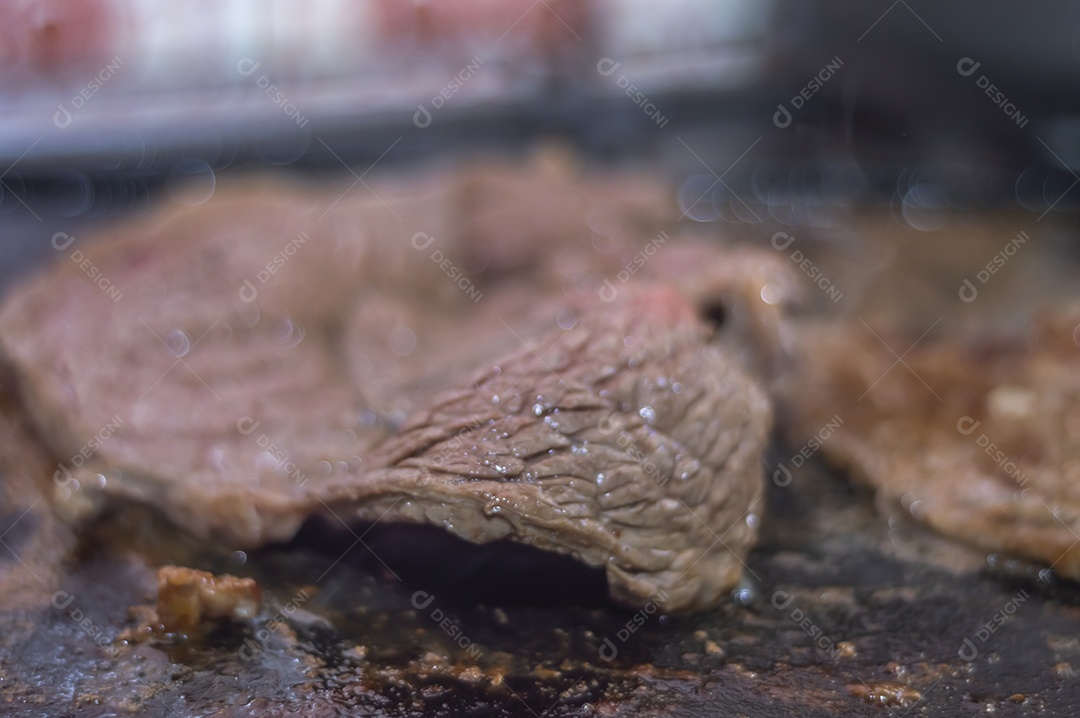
279	353
978	439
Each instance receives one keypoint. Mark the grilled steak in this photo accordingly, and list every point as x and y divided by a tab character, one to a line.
278	353
978	439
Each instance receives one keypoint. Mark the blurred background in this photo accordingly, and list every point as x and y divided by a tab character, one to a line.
762	112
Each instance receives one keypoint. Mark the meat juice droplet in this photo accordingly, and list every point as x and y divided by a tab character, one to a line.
178	342
648	414
746	592
402	341
288	332
566	320
538	409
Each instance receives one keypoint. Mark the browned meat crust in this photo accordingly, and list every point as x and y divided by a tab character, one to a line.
978	439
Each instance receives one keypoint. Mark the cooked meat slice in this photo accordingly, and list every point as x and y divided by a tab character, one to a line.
241	400
515	218
979	439
34	542
630	441
152	393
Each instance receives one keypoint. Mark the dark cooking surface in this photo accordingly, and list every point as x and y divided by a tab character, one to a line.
869	604
841	567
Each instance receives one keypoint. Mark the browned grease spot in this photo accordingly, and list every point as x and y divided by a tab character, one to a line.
845	649
885	693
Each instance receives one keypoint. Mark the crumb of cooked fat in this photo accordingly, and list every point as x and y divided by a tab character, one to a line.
1007	401
188	598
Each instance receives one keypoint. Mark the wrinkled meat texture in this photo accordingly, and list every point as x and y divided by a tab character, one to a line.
280	352
631	441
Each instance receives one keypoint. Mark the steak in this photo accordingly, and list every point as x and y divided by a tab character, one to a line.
978	438
282	352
